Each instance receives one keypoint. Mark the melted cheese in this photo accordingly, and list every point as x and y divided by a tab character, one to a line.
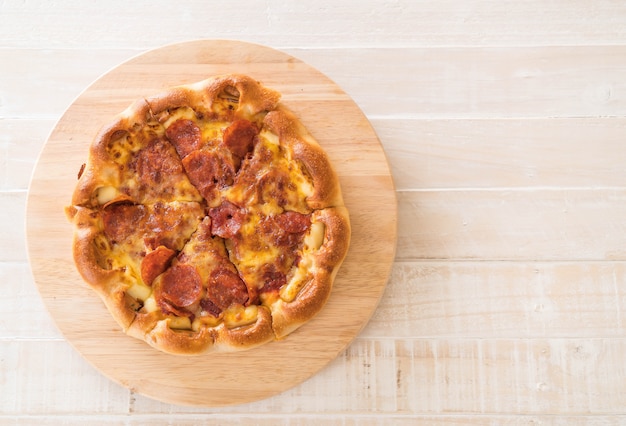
238	316
177	114
269	137
150	304
300	277
139	291
315	237
104	194
179	323
254	250
205	321
211	131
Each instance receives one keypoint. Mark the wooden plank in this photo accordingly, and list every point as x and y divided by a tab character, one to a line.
417	376
22	312
462	82
498	224
333	419
487	300
433	154
19	141
437	376
497	153
493	300
557	376
12	237
517	82
319	23
41	84
51	377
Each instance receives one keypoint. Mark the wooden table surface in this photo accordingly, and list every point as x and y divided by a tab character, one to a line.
504	124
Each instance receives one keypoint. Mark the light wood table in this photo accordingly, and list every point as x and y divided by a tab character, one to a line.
504	125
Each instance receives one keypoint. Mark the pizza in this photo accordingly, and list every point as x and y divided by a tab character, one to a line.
207	218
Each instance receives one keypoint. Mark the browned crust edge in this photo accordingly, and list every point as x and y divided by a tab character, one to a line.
307	151
247	336
326	261
154	329
108	284
136	115
177	342
253	98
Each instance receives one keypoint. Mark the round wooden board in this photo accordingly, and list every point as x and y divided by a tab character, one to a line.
222	378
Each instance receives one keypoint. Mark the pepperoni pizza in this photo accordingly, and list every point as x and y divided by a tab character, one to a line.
207	218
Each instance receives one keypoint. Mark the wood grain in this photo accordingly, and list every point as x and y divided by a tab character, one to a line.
584	152
321	23
224	378
502	112
494	300
547	378
507	224
444	83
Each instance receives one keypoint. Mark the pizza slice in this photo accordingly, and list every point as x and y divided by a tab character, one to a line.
132	160
123	247
201	302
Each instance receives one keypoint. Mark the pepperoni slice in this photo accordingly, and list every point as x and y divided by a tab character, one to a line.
168	308
210	307
120	220
225	288
180	286
239	137
273	278
226	219
156	163
293	222
209	171
155	263
185	135
284	230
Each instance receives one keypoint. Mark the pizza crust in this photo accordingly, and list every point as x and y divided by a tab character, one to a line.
248	96
324	247
323	264
98	172
306	151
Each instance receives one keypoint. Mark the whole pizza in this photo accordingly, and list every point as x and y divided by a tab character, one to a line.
207	218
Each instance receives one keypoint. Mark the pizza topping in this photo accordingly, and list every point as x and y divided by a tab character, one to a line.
180	287
276	186
170	224
184	134
155	263
225	288
273	278
209	171
120	220
315	238
105	195
239	137
210	307
293	222
155	163
227	219
286	229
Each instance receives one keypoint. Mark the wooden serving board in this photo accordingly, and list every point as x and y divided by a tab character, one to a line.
222	378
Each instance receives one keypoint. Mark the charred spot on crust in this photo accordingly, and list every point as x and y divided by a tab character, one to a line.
81	170
230	93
